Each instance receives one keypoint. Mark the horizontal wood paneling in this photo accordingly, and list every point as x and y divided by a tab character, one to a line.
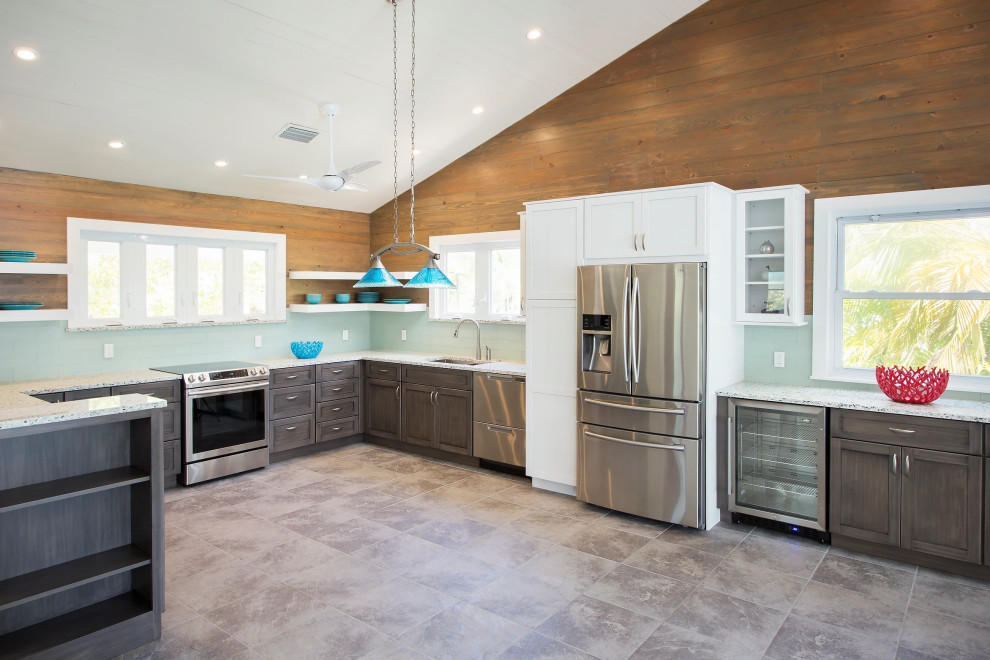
844	98
34	206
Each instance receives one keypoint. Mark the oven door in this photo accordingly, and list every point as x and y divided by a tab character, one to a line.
225	420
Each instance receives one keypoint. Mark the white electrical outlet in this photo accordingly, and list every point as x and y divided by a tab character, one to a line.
257	341
108	350
403	335
778	359
345	335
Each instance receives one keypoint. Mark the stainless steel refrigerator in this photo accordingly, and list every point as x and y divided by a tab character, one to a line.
641	374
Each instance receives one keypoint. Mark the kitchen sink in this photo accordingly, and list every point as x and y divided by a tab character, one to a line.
459	360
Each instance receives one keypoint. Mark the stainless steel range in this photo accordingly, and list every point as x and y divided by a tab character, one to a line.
225	419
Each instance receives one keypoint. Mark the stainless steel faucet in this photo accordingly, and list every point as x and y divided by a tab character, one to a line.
477	350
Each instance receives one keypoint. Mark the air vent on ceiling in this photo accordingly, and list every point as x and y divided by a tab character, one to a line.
298	133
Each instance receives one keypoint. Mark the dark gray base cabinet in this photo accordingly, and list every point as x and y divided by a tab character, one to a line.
382	400
313	405
906	494
437	408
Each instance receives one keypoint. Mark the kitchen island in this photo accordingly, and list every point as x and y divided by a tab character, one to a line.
81	530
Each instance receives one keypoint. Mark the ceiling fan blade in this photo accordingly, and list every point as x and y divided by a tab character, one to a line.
360	167
354	185
294	179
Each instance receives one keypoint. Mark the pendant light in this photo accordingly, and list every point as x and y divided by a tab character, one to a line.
430	276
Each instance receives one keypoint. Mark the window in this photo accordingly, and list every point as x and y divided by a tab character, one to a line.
487	269
903	278
134	274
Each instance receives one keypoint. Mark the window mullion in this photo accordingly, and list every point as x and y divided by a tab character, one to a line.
185	283
132	279
233	284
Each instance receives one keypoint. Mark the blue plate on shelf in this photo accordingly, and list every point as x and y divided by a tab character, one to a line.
397	301
19	306
17	259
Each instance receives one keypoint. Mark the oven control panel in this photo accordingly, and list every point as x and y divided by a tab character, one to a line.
235	375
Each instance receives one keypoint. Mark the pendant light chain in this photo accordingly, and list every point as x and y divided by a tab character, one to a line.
395	121
412	134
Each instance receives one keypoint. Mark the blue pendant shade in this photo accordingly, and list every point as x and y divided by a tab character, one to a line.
377	276
430	277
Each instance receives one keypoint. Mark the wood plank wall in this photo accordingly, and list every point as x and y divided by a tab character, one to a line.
34	206
843	97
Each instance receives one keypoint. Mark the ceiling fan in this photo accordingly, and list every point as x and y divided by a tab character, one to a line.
332	180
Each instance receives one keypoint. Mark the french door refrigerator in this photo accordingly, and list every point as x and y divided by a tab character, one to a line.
641	375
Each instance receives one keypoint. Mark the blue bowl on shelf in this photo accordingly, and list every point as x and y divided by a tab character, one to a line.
305	350
343	298
314	298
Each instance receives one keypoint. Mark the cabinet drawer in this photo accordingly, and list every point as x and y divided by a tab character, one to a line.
168	390
340	428
339	371
91	393
172	421
337	389
907	430
293	432
293	376
341	409
170	458
458	379
381	370
293	401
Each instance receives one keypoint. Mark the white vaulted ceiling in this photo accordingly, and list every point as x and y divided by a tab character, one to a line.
187	82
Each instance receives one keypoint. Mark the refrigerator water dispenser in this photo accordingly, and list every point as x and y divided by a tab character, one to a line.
596	343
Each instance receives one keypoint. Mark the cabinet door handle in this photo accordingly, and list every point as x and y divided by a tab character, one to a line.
787	306
893	458
292	377
292	398
643	241
635	242
901	431
396	391
290	428
907	465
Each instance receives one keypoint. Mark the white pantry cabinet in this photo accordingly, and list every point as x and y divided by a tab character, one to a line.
553	242
769	256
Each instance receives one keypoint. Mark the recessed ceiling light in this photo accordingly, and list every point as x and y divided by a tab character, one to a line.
303	176
221	163
25	53
116	144
478	109
416	152
535	33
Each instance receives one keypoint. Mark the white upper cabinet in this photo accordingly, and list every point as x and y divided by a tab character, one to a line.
553	242
668	224
769	256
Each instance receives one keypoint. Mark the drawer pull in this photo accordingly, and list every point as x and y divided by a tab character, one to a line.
336	428
292	377
337	371
292	398
495	428
644	445
291	428
335	410
383	371
336	389
901	431
626	406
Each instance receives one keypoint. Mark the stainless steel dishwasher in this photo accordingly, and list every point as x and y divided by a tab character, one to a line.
500	418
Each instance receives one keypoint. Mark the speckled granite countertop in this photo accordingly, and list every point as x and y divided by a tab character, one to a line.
424	359
18	408
944	408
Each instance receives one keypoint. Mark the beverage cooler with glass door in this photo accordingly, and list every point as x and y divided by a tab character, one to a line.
777	465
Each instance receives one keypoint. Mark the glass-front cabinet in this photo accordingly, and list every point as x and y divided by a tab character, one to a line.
769	256
777	462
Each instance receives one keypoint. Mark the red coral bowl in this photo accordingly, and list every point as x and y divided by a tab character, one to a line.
912	385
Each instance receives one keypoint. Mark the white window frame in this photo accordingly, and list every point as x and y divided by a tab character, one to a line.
133	235
831	215
479	241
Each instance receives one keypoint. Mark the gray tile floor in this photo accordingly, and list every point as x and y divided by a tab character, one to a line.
367	553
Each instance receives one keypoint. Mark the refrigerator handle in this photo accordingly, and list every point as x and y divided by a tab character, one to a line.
625	333
731	446
637	327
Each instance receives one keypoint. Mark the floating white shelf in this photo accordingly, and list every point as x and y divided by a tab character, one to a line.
337	275
750	230
766	256
35	315
357	307
32	268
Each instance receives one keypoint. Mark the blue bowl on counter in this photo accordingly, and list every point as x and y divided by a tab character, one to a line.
314	298
305	350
